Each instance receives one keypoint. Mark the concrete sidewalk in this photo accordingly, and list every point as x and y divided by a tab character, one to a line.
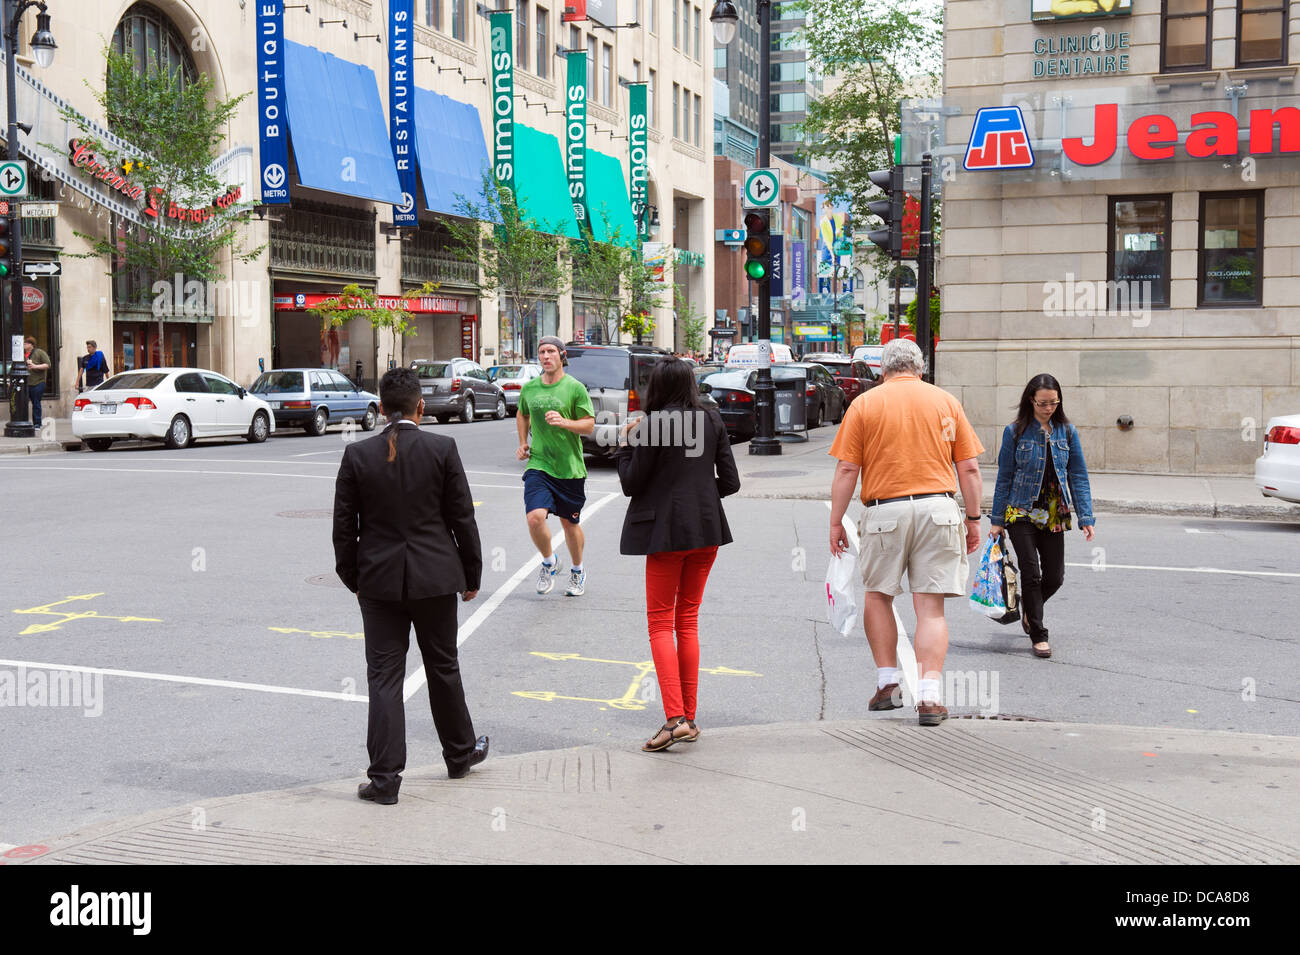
63	439
804	470
883	791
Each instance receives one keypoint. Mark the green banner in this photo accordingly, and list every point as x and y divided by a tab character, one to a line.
503	99
575	136
638	157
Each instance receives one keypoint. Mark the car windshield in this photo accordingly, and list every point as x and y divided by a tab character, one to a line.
838	369
277	383
138	381
505	371
600	369
787	372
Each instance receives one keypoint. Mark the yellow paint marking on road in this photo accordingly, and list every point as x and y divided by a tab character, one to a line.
324	634
631	699
66	617
478	503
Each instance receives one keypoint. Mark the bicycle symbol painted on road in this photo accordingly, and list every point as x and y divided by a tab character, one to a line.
67	617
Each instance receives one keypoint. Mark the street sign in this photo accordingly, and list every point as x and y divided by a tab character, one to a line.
40	210
730	236
762	188
4	208
37	269
13	177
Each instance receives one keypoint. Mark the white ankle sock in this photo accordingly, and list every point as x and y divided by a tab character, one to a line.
549	561
929	691
576	568
886	676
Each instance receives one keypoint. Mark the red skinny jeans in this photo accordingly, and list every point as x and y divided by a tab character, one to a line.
674	588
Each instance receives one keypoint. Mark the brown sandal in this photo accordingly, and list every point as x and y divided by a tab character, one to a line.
694	733
669	728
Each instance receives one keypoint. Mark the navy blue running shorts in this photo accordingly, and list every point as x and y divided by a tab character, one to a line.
563	497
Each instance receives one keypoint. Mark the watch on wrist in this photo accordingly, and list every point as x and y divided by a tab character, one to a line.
977	517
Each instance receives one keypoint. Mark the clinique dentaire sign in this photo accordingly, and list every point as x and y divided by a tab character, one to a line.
1099	53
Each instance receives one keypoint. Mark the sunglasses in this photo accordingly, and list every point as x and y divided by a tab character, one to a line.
1046	404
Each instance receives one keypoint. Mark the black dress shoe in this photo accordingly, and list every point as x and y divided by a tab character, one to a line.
476	757
369	793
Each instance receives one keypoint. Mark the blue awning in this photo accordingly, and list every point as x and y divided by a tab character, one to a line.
451	152
337	127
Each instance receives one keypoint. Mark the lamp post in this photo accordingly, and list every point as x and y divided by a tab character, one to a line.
725	18
43	47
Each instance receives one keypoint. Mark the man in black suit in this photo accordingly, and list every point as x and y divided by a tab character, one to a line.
406	542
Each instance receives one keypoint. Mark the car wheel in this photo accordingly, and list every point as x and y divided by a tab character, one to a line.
443	418
501	409
372	417
467	413
319	422
843	406
816	419
179	434
99	444
259	429
513	412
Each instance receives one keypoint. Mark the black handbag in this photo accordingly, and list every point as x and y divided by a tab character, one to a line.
1010	585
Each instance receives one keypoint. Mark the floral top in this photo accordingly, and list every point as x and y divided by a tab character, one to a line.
1049	511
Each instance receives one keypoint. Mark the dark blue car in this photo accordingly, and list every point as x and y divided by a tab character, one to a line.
314	398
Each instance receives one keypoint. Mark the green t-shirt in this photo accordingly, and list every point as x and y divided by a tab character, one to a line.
554	450
37	357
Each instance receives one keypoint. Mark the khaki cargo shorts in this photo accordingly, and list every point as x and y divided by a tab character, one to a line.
926	538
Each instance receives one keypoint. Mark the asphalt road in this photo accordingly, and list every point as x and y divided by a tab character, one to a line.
204	579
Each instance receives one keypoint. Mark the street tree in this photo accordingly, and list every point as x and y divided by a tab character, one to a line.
690	321
614	277
353	301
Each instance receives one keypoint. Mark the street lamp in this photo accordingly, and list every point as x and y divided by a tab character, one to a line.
724	19
43	47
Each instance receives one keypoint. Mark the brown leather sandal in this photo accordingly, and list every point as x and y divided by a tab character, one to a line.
669	728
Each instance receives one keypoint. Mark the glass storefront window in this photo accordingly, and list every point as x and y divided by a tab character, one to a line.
1231	249
518	339
1138	251
1185	35
1261	32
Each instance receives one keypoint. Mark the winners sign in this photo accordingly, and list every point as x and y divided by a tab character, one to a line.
503	100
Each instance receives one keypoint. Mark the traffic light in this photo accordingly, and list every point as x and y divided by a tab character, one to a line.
758	245
8	266
890	209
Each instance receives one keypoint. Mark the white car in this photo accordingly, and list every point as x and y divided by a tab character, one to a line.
1277	470
871	355
172	405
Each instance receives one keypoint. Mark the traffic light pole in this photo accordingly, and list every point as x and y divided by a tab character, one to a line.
20	426
765	440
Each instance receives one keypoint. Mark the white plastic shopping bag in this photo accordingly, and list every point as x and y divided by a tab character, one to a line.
841	588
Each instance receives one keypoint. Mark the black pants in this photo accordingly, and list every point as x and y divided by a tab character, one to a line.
388	637
1041	558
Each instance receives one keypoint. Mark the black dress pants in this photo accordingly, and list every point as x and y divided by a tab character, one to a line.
1041	558
388	631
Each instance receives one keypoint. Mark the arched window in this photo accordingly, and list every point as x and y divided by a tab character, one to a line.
149	37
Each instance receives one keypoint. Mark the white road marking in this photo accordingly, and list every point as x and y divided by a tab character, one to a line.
314	477
196	680
1188	570
308	454
416	679
906	656
1192	530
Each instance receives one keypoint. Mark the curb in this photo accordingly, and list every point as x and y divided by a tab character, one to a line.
45	447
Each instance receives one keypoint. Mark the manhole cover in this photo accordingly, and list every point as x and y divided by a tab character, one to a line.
762	474
325	580
318	512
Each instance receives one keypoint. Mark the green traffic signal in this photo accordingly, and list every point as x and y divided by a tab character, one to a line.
756	270
4	270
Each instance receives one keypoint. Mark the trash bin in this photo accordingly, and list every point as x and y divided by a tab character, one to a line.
790	410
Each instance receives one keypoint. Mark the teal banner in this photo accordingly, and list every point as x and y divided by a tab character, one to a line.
638	157
575	136
503	99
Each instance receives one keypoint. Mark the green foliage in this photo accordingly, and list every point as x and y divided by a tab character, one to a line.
176	129
910	312
615	278
357	302
516	258
638	324
692	322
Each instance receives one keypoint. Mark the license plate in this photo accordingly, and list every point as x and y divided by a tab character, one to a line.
108	408
275	405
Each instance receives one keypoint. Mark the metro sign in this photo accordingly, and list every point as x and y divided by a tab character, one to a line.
1155	136
999	140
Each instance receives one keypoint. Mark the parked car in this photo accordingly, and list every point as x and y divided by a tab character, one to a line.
615	376
853	377
511	378
746	354
1277	470
172	405
826	401
871	355
733	392
315	398
458	387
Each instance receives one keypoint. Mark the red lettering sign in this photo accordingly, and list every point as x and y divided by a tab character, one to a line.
1213	133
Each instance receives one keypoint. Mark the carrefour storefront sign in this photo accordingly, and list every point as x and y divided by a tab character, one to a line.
1099	53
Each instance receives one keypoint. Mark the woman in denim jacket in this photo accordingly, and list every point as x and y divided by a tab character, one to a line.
1034	500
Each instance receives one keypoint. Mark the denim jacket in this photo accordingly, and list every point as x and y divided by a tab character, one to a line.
1020	471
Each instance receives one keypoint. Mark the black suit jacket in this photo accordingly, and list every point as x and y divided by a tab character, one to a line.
405	529
677	498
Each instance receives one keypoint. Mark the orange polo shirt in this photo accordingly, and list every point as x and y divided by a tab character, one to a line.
905	434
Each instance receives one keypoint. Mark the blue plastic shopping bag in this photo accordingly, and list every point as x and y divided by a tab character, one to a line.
986	596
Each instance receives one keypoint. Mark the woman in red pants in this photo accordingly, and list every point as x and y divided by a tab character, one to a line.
675	464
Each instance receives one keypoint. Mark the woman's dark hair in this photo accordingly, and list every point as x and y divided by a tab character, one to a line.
672	382
399	391
1025	414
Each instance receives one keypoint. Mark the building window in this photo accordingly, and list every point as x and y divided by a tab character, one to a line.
543	42
1231	249
788	102
651	100
1184	35
719	57
636	11
697	120
607	74
433	13
521	34
676	8
697	33
591	67
686	26
151	40
654	16
459	20
1137	255
677	129
1261	32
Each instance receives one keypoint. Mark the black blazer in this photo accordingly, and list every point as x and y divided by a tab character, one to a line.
676	498
405	529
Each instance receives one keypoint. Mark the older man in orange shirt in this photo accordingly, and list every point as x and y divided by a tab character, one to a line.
905	437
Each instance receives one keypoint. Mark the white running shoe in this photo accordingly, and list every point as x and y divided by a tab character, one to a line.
577	583
546	575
